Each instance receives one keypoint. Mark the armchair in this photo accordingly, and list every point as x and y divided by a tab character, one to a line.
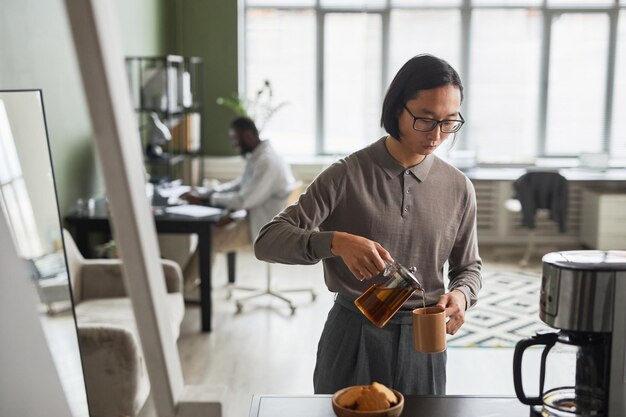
115	373
182	249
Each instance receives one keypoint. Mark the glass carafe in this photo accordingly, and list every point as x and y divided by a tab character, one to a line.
381	301
573	380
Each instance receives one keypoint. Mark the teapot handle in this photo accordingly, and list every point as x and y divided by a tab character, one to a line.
388	266
547	339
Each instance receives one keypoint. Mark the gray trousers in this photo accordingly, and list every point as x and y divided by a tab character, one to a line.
352	351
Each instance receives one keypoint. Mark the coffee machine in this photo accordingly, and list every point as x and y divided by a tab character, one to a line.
582	371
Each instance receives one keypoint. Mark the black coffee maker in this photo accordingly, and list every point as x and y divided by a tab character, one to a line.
583	296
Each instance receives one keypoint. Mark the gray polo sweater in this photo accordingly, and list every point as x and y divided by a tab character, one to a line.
424	216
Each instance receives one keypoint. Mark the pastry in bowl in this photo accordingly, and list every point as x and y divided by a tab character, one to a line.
375	400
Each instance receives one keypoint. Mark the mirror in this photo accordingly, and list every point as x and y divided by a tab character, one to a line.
28	202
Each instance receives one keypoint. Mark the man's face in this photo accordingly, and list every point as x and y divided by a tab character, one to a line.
238	140
442	103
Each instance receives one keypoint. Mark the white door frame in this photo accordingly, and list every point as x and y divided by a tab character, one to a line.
98	47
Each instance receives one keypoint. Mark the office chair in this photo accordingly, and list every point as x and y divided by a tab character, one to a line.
269	290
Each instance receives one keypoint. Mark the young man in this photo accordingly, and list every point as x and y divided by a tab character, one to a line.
392	199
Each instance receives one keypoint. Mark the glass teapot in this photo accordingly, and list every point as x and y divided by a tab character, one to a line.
382	300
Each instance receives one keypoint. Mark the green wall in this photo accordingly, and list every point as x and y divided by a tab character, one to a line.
208	29
37	51
148	26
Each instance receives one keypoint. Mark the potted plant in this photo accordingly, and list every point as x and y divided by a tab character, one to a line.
259	108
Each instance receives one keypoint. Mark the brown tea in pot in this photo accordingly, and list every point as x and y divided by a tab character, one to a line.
381	301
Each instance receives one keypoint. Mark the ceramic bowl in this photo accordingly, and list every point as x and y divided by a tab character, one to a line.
393	411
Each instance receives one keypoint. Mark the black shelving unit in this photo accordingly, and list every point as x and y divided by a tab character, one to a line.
170	86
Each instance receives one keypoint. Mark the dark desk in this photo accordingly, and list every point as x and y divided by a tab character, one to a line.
414	406
83	224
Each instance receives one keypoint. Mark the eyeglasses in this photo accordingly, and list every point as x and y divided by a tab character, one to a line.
424	124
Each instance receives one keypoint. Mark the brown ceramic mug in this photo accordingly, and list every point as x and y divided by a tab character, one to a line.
429	329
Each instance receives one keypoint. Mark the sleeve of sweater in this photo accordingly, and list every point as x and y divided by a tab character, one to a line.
465	263
292	236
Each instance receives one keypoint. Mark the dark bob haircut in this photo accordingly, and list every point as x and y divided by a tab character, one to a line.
422	72
244	124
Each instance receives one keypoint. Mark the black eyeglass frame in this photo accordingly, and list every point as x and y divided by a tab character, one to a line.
436	122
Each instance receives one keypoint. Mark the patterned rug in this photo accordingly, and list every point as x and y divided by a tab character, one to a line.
507	311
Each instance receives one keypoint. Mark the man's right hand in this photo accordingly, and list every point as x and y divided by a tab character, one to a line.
365	258
192	198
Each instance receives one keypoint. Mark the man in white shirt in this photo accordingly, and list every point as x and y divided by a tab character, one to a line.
262	190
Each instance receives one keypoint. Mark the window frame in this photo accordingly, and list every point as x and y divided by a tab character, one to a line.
466	8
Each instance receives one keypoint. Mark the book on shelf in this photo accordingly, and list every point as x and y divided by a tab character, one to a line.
160	89
186	134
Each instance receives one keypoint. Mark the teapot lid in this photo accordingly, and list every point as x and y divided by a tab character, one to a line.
406	273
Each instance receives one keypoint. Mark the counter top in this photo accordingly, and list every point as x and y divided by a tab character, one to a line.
414	406
307	168
571	174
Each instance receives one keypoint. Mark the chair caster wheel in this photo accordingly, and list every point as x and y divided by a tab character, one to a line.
293	310
313	296
239	308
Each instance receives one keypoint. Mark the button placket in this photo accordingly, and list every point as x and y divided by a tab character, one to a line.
405	203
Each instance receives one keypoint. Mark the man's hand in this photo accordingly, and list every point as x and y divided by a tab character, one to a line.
454	303
191	198
364	258
224	221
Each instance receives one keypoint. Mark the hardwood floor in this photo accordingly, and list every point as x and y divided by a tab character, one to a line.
60	332
267	351
263	349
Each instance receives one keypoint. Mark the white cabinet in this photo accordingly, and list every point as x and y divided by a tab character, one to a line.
603	220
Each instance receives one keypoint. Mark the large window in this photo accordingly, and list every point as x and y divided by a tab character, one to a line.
577	84
618	127
504	84
542	78
423	31
280	48
352	80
